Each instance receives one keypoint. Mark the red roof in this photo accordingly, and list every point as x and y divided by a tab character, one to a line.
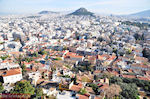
12	72
143	78
128	76
76	87
82	96
72	55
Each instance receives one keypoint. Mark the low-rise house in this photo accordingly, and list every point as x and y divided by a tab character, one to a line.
104	81
67	72
65	95
2	53
72	56
55	76
79	96
128	76
49	88
75	88
141	60
99	65
122	65
6	64
130	56
12	75
107	59
34	76
140	67
50	91
89	90
92	59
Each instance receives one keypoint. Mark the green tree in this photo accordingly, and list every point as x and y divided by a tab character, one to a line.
129	51
4	57
144	98
83	91
39	92
23	87
19	59
28	59
115	80
115	50
112	91
35	54
42	52
23	66
137	97
146	53
106	75
95	77
75	79
140	83
129	91
95	88
1	87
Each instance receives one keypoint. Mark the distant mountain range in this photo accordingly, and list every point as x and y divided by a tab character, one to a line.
48	12
145	13
81	11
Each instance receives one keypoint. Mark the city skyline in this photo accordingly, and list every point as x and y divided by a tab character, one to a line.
98	6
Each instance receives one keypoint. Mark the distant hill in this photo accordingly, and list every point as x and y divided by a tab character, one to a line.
142	14
48	12
82	11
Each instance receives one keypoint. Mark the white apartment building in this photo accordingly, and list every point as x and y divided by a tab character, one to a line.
12	75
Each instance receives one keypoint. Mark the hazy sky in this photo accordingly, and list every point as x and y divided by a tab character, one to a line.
100	6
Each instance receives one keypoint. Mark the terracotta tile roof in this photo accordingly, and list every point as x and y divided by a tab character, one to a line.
5	61
128	76
101	57
112	57
72	55
2	52
92	58
137	51
89	90
144	78
97	72
130	71
17	52
140	65
12	72
114	73
76	87
28	69
141	59
82	96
